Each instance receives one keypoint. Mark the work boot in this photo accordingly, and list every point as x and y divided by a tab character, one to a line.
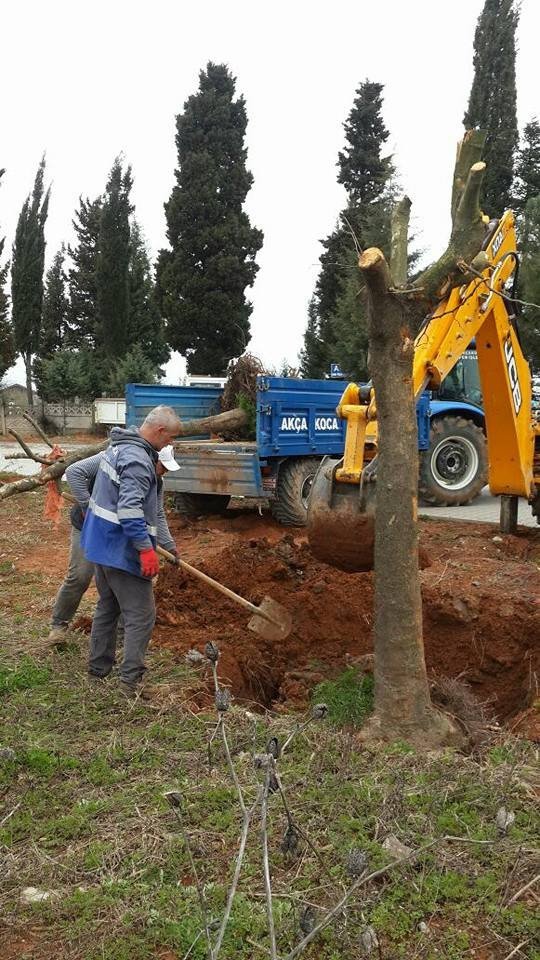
57	637
128	690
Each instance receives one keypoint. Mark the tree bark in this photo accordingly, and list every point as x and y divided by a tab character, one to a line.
403	706
28	366
399	243
220	423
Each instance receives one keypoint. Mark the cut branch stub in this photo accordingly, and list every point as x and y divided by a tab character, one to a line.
468	226
399	244
469	151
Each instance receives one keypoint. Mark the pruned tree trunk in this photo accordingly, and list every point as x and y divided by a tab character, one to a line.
28	366
227	422
403	707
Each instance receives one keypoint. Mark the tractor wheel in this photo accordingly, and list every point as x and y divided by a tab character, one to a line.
455	468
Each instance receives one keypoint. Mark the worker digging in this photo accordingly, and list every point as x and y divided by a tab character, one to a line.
119	536
81	478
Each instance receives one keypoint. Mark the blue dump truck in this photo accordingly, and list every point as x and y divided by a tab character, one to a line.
297	425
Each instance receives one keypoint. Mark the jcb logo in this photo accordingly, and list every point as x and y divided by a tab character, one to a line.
512	374
497	243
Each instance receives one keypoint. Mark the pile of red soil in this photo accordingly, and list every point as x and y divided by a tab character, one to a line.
481	614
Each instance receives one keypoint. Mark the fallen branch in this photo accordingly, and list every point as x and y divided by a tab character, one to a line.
524	889
222	422
54	472
28	453
41	433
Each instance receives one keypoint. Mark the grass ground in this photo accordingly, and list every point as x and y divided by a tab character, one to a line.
83	818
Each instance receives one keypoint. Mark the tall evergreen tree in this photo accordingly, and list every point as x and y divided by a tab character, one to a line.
54	322
54	326
492	101
527	184
203	277
145	325
337	324
529	286
7	346
112	270
27	273
82	275
313	359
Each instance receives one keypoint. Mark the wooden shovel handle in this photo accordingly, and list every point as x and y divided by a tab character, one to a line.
214	583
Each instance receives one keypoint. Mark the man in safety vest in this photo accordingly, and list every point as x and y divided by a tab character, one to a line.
119	537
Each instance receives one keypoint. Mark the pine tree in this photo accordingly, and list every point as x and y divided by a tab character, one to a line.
145	325
27	273
135	367
527	184
492	101
203	277
7	346
112	270
337	317
82	275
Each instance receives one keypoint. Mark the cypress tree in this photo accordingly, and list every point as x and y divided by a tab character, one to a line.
492	101
529	283
112	268
203	277
54	322
337	318
27	273
82	275
313	357
145	326
7	346
527	184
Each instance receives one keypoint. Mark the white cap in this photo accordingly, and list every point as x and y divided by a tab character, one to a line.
166	457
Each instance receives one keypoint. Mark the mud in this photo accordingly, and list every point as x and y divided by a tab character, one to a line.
480	600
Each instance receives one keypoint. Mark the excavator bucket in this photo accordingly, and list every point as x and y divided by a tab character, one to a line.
341	520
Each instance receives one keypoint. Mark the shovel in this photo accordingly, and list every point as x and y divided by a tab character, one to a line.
270	619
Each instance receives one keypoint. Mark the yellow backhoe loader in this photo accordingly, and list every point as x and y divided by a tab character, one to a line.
341	505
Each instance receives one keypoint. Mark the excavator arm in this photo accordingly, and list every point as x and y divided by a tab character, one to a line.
475	311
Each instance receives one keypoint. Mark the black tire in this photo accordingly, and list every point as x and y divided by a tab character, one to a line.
200	504
455	468
292	490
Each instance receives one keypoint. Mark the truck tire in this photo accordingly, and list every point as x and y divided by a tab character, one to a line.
200	504
292	490
535	507
455	468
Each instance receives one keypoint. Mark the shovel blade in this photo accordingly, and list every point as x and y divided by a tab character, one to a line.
281	624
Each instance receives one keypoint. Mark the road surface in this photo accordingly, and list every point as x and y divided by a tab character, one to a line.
485	509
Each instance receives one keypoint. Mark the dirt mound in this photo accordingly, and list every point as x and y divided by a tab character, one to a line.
481	615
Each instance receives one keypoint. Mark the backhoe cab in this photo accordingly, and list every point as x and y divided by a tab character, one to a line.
341	509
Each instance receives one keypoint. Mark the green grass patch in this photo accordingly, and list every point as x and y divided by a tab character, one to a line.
349	697
25	676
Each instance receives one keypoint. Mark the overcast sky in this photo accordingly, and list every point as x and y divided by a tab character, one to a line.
86	81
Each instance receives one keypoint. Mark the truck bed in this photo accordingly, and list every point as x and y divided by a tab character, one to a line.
218	467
